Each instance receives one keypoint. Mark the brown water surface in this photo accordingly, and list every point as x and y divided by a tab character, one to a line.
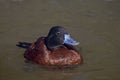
95	23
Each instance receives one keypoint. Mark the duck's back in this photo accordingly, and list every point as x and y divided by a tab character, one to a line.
62	56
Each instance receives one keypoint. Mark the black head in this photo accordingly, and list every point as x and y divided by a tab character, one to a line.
57	36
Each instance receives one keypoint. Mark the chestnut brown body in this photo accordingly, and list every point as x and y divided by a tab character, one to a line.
62	56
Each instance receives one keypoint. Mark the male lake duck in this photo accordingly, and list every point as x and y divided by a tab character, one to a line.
57	49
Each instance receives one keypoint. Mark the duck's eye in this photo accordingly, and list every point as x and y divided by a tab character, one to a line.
57	33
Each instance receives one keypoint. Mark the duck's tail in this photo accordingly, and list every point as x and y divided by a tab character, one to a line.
23	44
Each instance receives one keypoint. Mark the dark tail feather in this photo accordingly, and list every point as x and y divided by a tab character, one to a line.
23	44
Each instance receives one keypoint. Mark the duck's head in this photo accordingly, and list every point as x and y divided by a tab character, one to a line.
58	36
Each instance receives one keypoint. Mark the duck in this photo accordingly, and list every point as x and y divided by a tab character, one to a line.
56	49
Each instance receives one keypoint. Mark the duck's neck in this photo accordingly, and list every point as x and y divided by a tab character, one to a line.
52	44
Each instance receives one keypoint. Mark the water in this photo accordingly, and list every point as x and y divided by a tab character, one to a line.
95	23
